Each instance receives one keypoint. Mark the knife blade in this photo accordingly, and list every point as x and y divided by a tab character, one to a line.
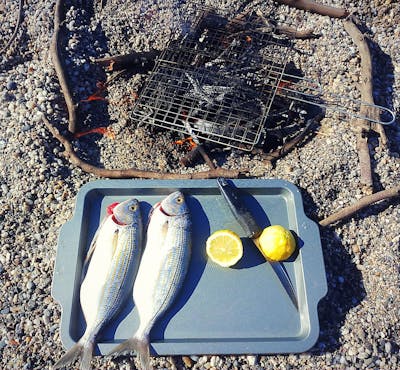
234	198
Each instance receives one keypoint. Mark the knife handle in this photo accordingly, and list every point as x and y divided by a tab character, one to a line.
243	215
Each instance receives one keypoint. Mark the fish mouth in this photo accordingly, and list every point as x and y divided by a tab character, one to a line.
162	210
119	223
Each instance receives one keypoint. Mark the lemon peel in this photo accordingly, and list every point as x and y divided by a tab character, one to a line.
277	243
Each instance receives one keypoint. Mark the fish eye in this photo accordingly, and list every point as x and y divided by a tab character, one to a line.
133	207
179	199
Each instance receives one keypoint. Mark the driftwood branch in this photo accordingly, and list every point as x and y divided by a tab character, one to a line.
296	34
59	66
70	154
17	25
362	203
117	62
315	7
287	147
366	89
287	30
366	72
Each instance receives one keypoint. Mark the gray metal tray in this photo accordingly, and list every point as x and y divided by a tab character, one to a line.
236	310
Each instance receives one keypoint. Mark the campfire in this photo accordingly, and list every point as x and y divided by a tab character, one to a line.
228	83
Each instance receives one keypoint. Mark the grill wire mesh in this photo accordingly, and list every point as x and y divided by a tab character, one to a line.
218	82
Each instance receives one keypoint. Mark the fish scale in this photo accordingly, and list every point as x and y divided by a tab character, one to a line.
162	270
117	280
113	260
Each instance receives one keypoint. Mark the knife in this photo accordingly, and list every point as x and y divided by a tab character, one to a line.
243	215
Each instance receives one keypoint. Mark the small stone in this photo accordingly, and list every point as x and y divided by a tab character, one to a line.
26	128
11	85
352	351
2	344
363	355
4	188
187	361
213	361
388	347
252	360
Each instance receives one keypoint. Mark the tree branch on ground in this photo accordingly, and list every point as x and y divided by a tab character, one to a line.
59	65
271	157
368	110
315	7
17	25
362	203
73	158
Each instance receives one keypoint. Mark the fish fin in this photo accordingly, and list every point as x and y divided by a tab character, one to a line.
69	357
164	230
93	243
87	354
82	349
140	346
151	214
115	241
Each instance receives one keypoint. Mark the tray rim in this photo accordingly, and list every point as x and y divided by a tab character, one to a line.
208	345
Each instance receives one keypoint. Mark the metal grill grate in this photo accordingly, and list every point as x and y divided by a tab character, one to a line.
217	83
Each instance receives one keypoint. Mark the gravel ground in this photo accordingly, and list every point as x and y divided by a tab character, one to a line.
359	317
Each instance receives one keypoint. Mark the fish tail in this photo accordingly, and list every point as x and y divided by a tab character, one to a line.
83	349
140	346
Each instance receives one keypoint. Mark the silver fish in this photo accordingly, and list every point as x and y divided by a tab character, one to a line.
112	263
162	270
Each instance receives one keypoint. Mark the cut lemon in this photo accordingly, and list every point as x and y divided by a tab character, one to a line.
224	247
277	243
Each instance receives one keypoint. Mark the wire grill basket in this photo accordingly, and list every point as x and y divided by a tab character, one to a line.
218	83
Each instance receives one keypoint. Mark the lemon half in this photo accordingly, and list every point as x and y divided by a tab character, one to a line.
277	243
224	247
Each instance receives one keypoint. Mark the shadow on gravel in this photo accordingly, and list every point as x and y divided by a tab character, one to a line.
79	45
345	285
84	78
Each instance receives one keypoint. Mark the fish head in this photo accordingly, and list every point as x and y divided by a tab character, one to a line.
174	204
127	212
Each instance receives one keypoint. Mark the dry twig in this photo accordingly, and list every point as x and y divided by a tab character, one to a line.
315	7
287	147
287	30
362	203
117	62
70	154
59	66
366	86
297	34
366	89
17	25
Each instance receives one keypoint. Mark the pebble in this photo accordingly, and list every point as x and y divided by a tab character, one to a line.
388	347
11	85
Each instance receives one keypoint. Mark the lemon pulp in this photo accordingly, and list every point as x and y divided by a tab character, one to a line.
224	247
